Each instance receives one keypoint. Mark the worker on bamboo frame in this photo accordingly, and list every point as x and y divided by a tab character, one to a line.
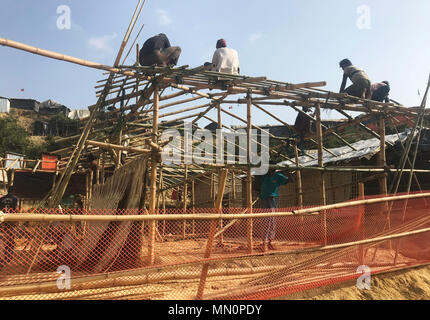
224	60
361	85
157	51
269	199
381	91
303	127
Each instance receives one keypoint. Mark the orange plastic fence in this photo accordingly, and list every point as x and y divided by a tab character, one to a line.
109	260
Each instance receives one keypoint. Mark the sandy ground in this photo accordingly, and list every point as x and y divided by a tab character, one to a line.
413	284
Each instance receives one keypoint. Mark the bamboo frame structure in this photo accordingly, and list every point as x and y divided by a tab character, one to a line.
192	97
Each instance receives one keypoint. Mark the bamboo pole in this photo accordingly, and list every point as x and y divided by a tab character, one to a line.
118	159
12	178
104	145
209	245
23	217
382	158
111	280
153	186
299	192
4	175
321	165
91	180
298	179
249	172
62	57
220	159
361	195
193	203
103	168
184	198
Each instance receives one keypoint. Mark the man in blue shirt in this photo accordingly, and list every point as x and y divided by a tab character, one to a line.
269	195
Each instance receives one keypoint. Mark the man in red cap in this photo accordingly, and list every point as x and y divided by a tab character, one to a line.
225	60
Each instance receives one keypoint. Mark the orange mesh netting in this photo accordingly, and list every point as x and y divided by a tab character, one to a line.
111	259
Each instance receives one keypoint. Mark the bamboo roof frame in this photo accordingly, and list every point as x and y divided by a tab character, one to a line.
129	82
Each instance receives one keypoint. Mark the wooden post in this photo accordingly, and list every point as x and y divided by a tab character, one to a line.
118	160
153	185
164	205
193	203
233	178
220	154
249	173
299	179
382	162
103	168
98	172
4	175
184	198
12	178
87	191
213	226
91	186
361	195
321	165
212	187
137	64
299	187
160	185
382	159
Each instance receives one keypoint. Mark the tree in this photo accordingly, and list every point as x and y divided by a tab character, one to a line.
14	138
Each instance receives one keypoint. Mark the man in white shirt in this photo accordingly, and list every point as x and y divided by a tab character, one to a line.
225	60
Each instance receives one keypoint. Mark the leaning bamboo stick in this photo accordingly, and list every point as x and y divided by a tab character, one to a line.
211	237
62	57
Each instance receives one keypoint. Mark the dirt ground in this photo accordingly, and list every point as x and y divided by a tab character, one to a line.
411	284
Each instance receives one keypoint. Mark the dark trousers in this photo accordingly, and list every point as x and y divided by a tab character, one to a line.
269	223
164	58
360	89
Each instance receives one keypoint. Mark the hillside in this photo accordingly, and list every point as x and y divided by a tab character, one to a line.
31	133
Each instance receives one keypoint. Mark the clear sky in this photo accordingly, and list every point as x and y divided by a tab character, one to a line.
287	40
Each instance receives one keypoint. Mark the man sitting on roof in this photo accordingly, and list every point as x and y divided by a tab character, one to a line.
158	51
380	91
225	60
361	85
